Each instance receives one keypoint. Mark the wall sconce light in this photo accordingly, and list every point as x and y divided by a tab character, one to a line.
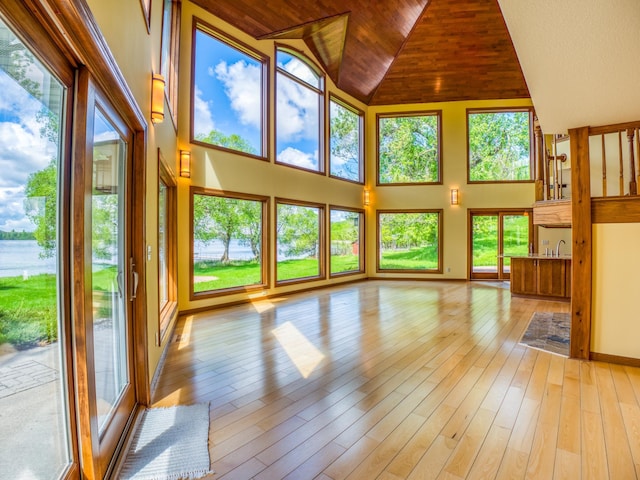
366	197
157	98
455	196
185	164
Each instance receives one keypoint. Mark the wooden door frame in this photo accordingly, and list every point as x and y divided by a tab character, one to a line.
66	29
500	213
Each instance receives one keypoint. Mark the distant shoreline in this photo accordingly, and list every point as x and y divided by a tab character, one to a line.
13	235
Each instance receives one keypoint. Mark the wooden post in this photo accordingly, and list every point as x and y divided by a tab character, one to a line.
604	168
633	186
638	153
581	251
539	163
621	163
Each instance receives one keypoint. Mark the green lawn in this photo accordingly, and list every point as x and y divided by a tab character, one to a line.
28	308
213	275
421	258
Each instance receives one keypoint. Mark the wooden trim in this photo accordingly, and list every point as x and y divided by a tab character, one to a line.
615	209
303	57
581	282
439	269
420	113
173	58
264	250
361	242
605	357
531	143
322	270
604	129
361	143
208	29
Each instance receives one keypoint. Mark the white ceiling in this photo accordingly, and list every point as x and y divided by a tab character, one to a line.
579	58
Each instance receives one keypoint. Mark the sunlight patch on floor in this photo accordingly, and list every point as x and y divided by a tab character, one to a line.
304	355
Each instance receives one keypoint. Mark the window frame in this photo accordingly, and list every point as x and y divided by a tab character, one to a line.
264	261
439	269
169	311
223	37
322	271
361	141
322	106
361	238
530	111
171	54
421	113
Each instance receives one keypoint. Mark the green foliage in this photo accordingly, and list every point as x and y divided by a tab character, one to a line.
40	206
104	225
298	231
233	141
408	230
344	142
409	240
499	146
13	235
408	149
225	219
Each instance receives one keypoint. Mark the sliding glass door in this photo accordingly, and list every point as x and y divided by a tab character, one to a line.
495	236
35	426
108	281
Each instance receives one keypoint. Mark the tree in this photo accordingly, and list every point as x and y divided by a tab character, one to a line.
225	219
345	142
233	141
40	206
408	149
499	146
298	230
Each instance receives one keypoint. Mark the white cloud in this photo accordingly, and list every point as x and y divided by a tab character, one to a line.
202	118
293	156
298	111
242	84
12	215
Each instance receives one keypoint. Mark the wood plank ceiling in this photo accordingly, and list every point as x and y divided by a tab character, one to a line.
394	51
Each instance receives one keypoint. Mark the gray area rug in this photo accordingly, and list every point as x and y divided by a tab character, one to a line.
549	331
171	443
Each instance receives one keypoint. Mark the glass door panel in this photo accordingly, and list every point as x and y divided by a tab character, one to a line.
515	238
34	426
108	267
484	245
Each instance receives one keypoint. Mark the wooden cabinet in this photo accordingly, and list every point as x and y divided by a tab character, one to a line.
543	277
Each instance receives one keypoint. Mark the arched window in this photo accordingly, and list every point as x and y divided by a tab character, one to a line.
299	102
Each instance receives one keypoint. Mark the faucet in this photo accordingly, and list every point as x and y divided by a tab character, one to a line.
558	247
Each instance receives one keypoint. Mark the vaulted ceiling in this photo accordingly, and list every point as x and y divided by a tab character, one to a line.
394	51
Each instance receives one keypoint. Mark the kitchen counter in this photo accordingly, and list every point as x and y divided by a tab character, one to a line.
539	256
541	276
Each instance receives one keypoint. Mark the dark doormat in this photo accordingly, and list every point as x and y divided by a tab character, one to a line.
549	331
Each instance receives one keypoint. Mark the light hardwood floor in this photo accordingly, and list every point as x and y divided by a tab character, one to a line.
394	380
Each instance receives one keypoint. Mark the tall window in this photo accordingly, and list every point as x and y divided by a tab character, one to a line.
299	101
167	271
228	96
409	148
347	245
169	53
345	142
499	145
410	241
227	242
299	241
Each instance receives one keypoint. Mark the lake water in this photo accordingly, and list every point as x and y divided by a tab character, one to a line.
20	257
